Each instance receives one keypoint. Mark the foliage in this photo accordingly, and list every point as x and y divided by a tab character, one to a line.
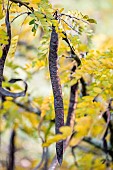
85	75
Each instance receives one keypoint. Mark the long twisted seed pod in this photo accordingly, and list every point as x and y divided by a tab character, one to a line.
72	104
57	91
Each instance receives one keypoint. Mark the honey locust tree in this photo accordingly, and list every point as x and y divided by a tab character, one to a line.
37	38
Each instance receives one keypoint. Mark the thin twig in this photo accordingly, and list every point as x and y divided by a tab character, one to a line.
73	54
70	26
23	4
46	159
79	19
96	142
42	160
29	108
19	16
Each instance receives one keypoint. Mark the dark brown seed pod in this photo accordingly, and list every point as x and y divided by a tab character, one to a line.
11	161
7	93
57	91
5	47
72	105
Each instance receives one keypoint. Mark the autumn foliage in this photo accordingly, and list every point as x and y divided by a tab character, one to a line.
55	88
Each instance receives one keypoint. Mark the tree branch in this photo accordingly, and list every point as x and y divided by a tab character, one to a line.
79	19
46	159
73	54
42	160
22	4
29	108
95	142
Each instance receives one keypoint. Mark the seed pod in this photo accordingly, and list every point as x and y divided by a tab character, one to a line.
5	47
11	161
57	91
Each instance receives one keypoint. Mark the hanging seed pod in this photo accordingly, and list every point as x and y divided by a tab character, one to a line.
11	161
57	91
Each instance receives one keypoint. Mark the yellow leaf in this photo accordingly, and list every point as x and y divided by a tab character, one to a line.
2	125
83	126
62	35
66	131
34	163
75	141
97	90
7	104
3	36
28	67
9	98
13	47
56	138
35	1
61	10
1	12
55	22
39	15
65	26
82	48
0	51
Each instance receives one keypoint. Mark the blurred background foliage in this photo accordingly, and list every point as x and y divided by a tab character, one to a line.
27	66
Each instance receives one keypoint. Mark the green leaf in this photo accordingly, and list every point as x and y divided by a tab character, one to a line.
97	90
32	22
92	21
36	26
39	15
85	17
